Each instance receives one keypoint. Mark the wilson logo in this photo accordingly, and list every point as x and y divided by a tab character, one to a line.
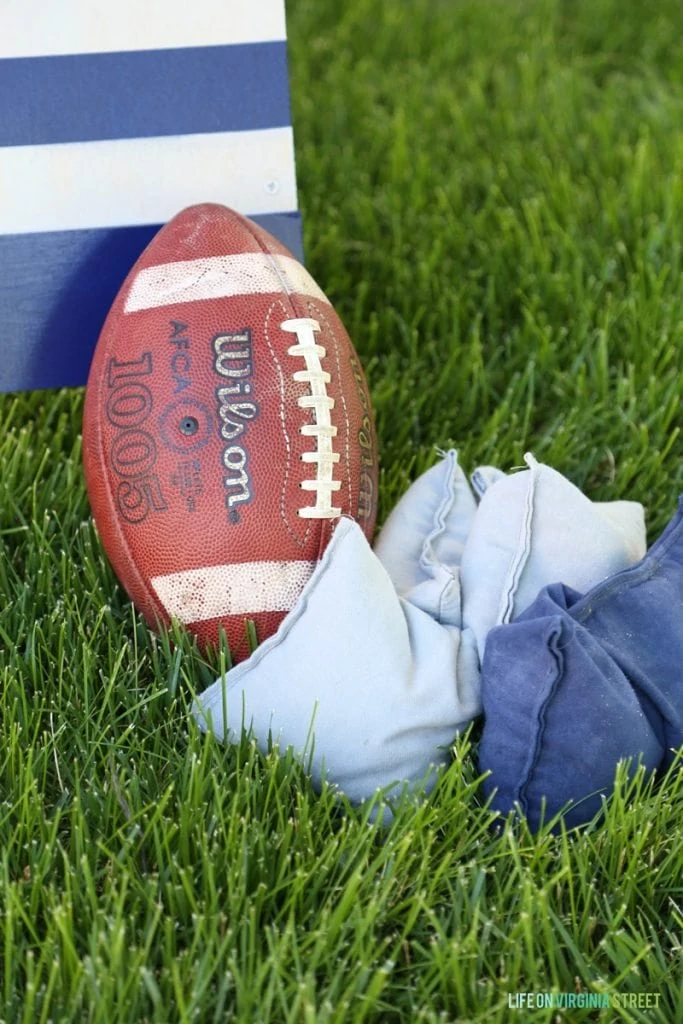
233	362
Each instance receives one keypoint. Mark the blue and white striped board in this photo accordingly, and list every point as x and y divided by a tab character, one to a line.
114	116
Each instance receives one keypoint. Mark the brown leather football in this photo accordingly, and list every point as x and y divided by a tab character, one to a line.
227	427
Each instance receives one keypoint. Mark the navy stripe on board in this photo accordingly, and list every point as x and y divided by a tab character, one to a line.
136	94
56	289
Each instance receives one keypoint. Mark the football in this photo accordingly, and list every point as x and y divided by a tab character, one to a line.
227	426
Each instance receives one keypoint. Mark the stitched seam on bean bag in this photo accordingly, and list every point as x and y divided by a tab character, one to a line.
550	684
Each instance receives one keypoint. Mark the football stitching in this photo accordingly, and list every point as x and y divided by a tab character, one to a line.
313	308
323	430
264	246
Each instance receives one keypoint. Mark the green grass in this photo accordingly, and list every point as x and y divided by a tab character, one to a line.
493	199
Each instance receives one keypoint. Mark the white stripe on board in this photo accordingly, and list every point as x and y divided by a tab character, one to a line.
34	28
121	182
245	588
220	277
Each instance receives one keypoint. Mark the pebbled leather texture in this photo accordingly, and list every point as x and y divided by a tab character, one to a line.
192	428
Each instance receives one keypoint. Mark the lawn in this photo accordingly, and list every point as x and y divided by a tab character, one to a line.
492	194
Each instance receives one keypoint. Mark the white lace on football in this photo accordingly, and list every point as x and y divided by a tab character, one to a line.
323	430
